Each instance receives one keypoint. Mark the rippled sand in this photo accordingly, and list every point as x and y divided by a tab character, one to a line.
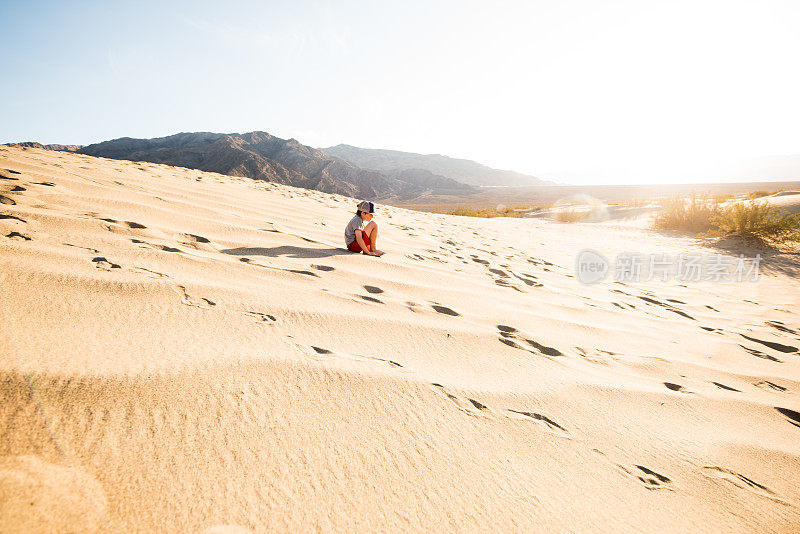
184	351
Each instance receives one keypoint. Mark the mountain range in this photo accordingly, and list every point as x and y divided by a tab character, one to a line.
34	144
396	163
383	175
262	156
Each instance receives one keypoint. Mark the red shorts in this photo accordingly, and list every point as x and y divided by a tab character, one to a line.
355	247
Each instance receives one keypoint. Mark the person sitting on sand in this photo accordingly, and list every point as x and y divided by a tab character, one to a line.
360	238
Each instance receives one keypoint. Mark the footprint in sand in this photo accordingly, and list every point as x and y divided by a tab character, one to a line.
510	336
373	289
416	257
476	408
353	357
261	318
467	405
786	349
528	279
92	250
547	351
740	481
325	268
195	241
649	478
547	423
644	475
766	384
712	329
759	354
679	312
723	386
502	282
668	307
445	310
303	272
676	387
599	356
791	416
18	236
101	263
163	248
412	306
149	272
778	325
128	224
192	301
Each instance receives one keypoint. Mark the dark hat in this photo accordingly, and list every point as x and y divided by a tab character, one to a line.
366	207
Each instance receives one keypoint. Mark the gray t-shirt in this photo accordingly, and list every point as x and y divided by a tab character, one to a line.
356	223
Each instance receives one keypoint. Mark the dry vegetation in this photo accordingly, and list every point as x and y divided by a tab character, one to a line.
691	214
489	212
714	217
756	221
570	215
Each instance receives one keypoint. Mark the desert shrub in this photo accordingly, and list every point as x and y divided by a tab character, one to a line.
471	212
487	212
758	194
570	215
692	214
757	221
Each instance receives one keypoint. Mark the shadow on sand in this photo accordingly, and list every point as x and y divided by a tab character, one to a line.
287	251
772	261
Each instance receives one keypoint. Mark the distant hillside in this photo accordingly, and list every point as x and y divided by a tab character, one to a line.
34	144
262	156
394	163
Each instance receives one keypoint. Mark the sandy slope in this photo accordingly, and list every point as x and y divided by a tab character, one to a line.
183	351
788	200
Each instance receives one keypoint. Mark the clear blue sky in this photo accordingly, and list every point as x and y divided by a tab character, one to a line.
535	86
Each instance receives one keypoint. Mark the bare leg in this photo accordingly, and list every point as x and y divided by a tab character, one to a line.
372	231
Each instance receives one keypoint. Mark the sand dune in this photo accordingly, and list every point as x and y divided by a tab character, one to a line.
788	200
185	352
